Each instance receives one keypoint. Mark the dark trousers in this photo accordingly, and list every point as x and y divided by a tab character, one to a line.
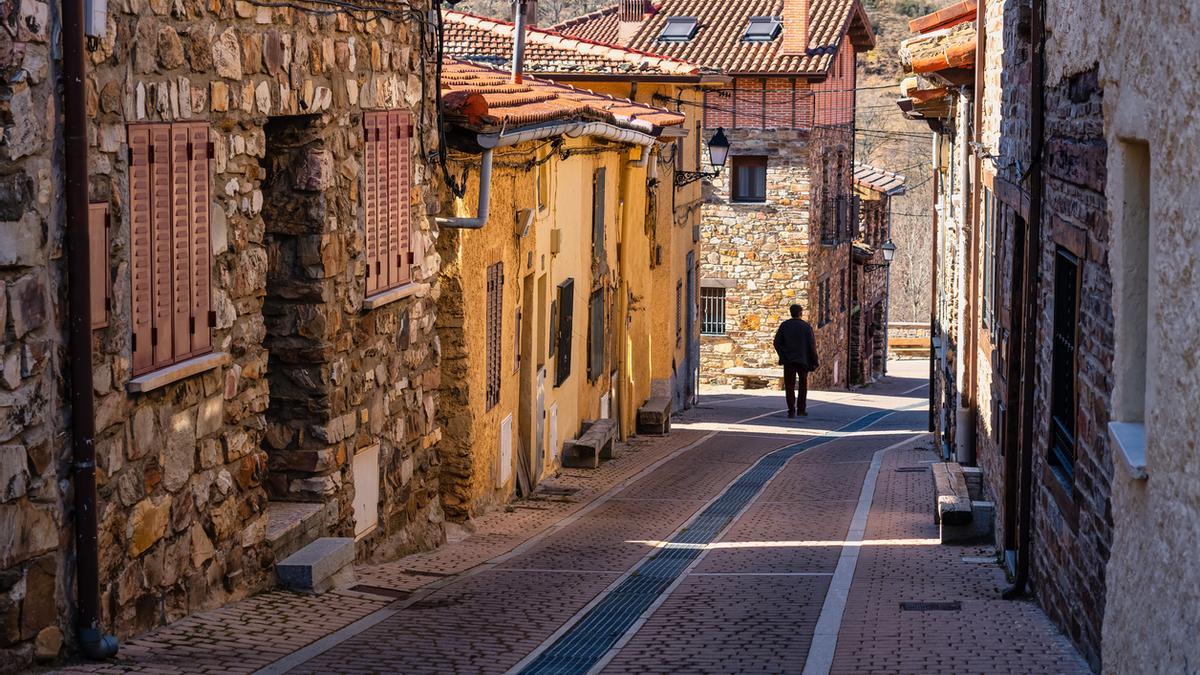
795	381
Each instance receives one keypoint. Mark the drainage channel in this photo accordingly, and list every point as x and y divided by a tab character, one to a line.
582	646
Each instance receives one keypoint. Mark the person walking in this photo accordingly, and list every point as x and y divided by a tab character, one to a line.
797	349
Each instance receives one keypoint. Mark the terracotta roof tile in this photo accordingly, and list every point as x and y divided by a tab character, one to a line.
482	96
718	42
879	180
490	42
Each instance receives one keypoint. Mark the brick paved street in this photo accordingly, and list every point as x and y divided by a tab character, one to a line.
750	598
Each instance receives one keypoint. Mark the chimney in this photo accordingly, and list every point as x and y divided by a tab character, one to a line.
795	27
630	16
531	13
518	59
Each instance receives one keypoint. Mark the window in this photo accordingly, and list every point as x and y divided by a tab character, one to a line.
712	308
596	336
598	184
749	179
678	29
841	290
762	29
987	231
170	250
386	202
1132	307
824	310
1062	364
495	318
562	340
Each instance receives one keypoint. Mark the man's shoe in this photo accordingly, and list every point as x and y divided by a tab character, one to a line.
803	413
791	414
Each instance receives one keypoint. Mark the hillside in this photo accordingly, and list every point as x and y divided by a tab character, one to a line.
885	138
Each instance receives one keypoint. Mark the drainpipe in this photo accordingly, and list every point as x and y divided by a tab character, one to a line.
574	129
518	62
964	419
933	287
83	423
1033	248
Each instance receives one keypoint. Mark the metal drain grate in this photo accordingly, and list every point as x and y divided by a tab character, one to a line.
931	606
583	645
913	469
394	593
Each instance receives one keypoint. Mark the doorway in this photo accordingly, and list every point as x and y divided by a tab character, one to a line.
1010	426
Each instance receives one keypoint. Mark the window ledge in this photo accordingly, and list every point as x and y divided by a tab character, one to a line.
180	371
1130	439
388	297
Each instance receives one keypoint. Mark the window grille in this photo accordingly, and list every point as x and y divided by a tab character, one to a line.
678	312
170	248
495	319
1062	364
712	308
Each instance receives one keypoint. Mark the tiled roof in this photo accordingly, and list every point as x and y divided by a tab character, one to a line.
479	96
940	50
490	42
718	41
883	182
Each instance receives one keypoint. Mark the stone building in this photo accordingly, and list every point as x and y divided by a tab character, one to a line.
1065	309
262	283
538	325
873	192
777	222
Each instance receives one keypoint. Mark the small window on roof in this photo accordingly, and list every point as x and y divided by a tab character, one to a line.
678	29
762	29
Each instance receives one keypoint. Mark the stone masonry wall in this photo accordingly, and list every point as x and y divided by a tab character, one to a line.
770	255
1073	521
182	497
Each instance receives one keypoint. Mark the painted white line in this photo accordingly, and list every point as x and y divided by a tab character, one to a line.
824	641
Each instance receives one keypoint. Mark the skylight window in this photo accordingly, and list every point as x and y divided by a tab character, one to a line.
762	29
678	29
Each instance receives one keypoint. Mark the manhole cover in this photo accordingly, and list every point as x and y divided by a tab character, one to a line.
912	469
930	606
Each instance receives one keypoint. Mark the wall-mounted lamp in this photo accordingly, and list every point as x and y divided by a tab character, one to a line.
718	152
889	252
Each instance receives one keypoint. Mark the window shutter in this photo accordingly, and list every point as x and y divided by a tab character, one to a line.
181	245
371	199
596	337
98	261
566	307
390	196
161	243
598	214
200	213
398	126
141	249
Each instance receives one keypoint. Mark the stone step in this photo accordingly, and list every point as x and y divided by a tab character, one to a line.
977	531
325	564
293	525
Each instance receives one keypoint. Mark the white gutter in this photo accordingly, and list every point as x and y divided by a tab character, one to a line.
489	142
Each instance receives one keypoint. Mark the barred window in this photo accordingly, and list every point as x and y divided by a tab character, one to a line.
712	306
495	318
1063	366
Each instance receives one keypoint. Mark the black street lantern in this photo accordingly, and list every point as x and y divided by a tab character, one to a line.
718	152
889	250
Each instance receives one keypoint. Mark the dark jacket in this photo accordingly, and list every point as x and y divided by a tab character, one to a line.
795	344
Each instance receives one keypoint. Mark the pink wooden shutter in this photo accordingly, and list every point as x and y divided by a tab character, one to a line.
390	206
161	240
141	248
404	198
371	200
98	260
181	245
200	255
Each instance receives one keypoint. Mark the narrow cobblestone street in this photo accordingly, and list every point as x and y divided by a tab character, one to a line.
743	542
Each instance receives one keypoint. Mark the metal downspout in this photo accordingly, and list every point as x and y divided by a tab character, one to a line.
83	424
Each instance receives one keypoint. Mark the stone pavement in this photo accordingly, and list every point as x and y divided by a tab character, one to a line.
620	569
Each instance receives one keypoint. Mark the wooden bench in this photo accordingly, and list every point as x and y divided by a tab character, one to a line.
755	378
909	346
654	417
595	442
